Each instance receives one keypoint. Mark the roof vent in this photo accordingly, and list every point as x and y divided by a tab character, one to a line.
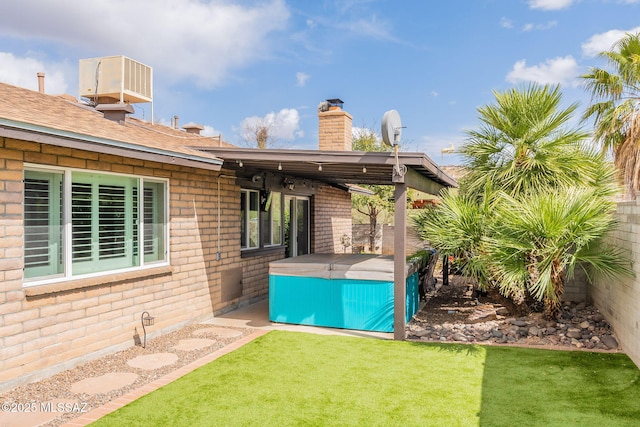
115	112
193	128
115	79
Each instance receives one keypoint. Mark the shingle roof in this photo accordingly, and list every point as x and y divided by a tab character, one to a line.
61	115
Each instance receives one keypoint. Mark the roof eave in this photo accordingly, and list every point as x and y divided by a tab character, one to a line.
51	136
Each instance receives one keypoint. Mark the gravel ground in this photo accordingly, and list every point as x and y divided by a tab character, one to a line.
59	385
454	313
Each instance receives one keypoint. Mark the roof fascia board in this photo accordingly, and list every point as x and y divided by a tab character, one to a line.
44	135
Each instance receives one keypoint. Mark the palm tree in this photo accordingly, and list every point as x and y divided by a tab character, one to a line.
535	242
535	203
456	227
524	144
615	107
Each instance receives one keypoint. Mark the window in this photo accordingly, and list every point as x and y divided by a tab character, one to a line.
249	216
261	219
271	219
79	223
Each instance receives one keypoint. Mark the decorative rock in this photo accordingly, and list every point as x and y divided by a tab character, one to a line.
219	332
483	313
459	337
574	333
585	324
534	331
502	311
518	323
511	330
609	341
194	344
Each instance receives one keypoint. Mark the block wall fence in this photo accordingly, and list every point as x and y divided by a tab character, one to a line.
619	300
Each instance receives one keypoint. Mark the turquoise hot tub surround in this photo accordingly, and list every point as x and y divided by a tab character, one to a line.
338	291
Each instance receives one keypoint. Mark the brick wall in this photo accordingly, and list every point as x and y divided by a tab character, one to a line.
255	279
46	329
331	220
335	130
619	300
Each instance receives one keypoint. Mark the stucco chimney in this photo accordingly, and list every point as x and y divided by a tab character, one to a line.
334	126
41	82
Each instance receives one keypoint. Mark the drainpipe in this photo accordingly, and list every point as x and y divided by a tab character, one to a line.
41	82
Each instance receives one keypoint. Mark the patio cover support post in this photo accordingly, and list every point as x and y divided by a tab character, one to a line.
399	261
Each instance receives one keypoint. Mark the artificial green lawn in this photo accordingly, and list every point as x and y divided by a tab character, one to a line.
289	378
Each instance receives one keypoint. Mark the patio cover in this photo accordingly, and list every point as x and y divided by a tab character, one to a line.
348	168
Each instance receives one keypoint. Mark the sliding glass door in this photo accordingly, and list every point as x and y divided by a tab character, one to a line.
296	230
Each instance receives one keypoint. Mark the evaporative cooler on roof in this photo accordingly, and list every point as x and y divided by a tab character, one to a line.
115	79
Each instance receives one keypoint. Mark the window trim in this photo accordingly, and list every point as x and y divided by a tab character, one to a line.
263	245
245	194
66	234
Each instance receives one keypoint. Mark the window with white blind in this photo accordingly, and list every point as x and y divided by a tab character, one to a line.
79	223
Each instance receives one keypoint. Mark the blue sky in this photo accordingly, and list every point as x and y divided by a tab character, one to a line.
223	64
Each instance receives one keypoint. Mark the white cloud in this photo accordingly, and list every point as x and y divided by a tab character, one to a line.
23	72
506	22
371	27
561	70
301	78
283	125
550	4
604	41
183	39
210	131
539	27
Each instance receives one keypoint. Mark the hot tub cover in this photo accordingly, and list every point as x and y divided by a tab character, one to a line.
339	266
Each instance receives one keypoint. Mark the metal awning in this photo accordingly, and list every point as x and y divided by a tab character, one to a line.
337	167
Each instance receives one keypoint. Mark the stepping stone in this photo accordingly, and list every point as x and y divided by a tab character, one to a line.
220	332
104	383
44	412
150	362
193	344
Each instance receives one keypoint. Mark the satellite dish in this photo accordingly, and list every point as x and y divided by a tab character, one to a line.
391	128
